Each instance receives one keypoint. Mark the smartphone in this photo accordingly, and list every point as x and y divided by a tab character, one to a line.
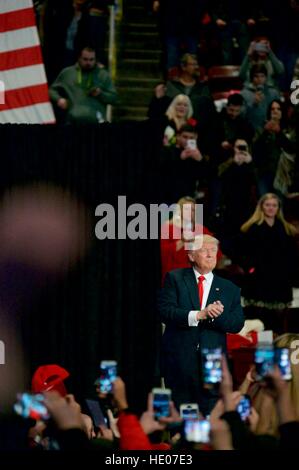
244	407
96	413
282	359
261	47
211	366
161	402
189	411
243	148
197	430
264	360
108	373
31	406
191	144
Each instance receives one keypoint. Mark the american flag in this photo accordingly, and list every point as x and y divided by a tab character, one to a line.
24	94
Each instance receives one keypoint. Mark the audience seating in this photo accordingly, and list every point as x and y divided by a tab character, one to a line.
224	78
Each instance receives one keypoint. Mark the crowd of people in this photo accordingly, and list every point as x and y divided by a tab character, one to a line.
52	420
238	156
49	418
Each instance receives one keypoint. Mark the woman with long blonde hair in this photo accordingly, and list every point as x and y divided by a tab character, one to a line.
269	257
259	216
178	113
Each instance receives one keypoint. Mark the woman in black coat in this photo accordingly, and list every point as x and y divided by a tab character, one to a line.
269	258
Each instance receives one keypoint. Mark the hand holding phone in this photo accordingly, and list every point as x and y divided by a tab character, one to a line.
261	47
282	359
161	402
264	360
242	148
211	367
197	431
108	373
189	411
244	407
96	413
191	144
31	406
268	357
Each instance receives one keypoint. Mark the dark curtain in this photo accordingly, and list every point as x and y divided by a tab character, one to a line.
104	308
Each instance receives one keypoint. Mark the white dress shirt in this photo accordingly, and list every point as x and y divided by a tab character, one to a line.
206	290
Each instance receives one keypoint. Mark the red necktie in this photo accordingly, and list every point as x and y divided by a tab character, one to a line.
200	289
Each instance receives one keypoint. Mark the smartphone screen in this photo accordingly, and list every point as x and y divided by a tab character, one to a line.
191	144
197	431
189	411
261	47
264	361
244	407
107	375
211	366
282	359
31	406
161	401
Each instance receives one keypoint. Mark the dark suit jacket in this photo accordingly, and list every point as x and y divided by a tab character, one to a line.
180	342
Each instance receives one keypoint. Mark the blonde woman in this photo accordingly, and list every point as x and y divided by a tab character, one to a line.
178	113
269	256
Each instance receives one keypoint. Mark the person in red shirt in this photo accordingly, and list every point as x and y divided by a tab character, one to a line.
173	254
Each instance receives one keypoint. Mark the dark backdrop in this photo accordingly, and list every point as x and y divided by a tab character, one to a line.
105	307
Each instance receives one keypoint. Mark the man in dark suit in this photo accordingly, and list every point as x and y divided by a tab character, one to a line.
191	326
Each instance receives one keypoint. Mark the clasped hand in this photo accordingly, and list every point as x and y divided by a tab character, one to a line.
211	311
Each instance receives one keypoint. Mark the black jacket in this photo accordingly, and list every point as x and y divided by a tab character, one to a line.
180	342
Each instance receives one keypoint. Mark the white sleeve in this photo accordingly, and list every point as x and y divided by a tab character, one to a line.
192	318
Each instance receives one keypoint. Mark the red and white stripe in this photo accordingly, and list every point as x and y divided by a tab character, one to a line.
25	98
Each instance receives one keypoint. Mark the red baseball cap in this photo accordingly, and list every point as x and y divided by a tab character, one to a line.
49	377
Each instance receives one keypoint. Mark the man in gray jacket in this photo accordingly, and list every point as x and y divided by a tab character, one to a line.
83	90
258	96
